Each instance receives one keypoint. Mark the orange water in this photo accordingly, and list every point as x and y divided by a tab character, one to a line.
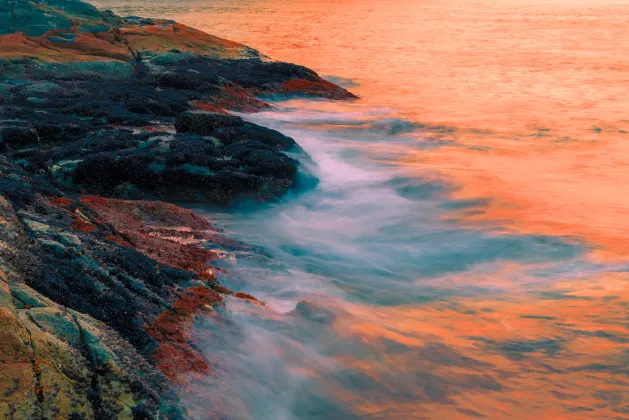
523	107
542	83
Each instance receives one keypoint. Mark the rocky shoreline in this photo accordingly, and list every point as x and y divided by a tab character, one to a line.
102	120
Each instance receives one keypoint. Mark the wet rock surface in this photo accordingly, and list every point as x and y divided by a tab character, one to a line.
100	117
121	143
97	297
311	312
64	355
92	100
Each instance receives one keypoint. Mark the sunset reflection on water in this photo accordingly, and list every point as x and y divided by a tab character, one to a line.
504	119
561	353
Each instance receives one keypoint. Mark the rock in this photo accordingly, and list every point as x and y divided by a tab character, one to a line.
311	312
35	19
15	134
205	123
164	232
148	73
237	162
318	88
183	167
59	363
230	129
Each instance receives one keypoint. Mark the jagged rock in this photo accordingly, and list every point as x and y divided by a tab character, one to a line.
58	362
147	72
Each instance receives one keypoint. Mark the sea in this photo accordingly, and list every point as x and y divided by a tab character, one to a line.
466	252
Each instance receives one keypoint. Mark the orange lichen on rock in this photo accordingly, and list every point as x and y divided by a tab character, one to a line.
72	45
176	355
88	44
165	36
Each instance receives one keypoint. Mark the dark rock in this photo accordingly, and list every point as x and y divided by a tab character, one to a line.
230	128
204	123
16	134
311	312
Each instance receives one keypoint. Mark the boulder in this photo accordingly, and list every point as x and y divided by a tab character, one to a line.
231	128
311	312
185	167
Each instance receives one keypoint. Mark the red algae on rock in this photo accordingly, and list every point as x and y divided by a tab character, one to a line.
172	236
246	296
79	221
176	355
82	225
119	240
239	99
234	98
222	289
209	107
165	232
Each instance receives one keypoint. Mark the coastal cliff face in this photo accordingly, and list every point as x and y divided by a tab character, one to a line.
101	117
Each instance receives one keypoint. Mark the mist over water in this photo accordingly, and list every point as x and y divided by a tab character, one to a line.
464	254
364	281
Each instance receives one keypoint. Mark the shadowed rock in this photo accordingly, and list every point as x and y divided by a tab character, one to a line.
16	134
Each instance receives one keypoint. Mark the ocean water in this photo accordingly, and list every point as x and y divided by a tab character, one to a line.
465	254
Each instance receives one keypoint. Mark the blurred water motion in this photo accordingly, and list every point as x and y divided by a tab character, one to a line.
465	253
